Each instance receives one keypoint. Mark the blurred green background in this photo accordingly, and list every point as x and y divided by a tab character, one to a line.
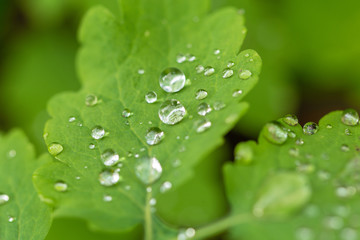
311	65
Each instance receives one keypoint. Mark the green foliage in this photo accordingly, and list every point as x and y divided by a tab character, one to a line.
22	214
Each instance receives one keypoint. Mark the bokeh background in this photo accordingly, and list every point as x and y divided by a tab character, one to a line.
311	66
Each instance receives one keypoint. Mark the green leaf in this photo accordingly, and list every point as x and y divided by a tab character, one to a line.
149	36
312	179
22	214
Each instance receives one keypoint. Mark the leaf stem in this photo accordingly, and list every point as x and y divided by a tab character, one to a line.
148	218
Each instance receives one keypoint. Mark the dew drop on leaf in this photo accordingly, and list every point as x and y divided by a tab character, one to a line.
151	97
172	80
350	117
166	186
109	157
91	146
72	119
299	141
216	51
97	132
274	133
141	71
304	234
348	132
245	74
60	186
171	112
244	152
291	119
91	100
148	169
230	64
180	58
310	128
12	153
208	71
294	152
126	113
154	136
11	219
4	198
237	93
107	198
227	72
55	149
202	125
219	105
199	68
201	94
190	57
329	126
109	177
203	109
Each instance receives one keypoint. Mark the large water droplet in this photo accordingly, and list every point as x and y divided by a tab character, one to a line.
291	119
4	198
245	74
199	68
275	133
97	132
148	169
91	100
202	125
208	71
151	97
172	80
203	109
60	186
126	113
109	177
55	149
171	112
200	94
109	157
350	117
154	136
310	128
227	72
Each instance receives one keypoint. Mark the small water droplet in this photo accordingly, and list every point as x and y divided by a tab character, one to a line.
72	119
172	80
203	109
4	198
166	186
151	97
148	169
227	72
348	132
245	74
291	119
334	222
291	134
141	71
247	55
152	202
202	125
294	152
180	58
149	189
299	141
60	186
201	94
199	68
275	133
237	93
329	126
350	117
244	152
55	149
97	132
305	168
176	163
208	71
154	136
345	148
91	146
219	105
310	128
109	177
216	51
11	219
190	232
12	153
230	64
171	112
107	198
323	175
190	57
126	113
91	100
109	157
304	234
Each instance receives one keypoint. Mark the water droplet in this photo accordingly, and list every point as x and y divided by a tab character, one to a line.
55	149
305	168
208	71
107	198
299	141
149	189
219	105
348	132
202	125
304	234
141	71
350	117
126	113
203	109
12	153
97	132
148	169
109	157
151	97
172	80
190	232
60	186
109	177
201	94
244	152
91	100
345	148
294	152
227	72
310	128
11	219
152	202
216	51
166	186
329	126
334	222
245	74
291	134
154	136
91	146
180	58
323	175
4	198
72	119
237	93
291	119
275	133
190	57
199	68
171	112
176	163
345	192
230	64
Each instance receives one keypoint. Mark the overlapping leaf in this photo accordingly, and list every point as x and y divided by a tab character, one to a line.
22	214
149	35
327	160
